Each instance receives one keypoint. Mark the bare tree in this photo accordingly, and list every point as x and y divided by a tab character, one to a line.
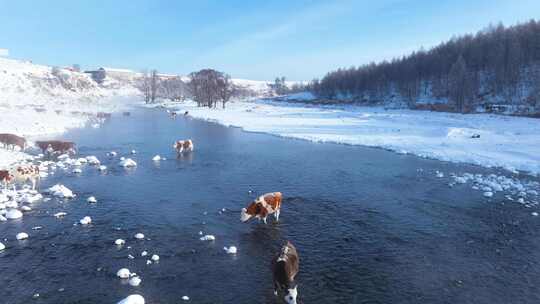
149	84
144	86
208	87
173	89
154	84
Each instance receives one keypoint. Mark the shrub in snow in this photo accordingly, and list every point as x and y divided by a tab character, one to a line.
77	171
128	162
92	200
135	281
22	236
185	298
82	160
132	299
155	257
112	154
119	242
2	246
231	250
92	160
139	236
144	253
123	273
60	191
85	220
148	262
13	214
208	237
156	158
102	168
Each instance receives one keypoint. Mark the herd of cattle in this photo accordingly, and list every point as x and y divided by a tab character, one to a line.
285	264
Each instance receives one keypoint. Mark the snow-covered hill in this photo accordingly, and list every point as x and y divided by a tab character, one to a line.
37	100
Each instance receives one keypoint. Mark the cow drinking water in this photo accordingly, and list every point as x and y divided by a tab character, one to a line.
269	203
285	267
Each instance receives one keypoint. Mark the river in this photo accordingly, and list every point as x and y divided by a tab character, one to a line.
370	226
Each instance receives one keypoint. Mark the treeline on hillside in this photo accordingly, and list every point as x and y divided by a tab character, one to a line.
498	65
207	87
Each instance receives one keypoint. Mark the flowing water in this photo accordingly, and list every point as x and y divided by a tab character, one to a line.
370	226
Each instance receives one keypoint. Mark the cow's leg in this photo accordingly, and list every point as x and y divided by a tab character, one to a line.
276	214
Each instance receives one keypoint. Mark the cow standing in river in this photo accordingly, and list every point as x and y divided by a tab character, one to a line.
285	267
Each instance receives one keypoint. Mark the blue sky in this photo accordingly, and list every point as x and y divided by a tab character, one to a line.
247	39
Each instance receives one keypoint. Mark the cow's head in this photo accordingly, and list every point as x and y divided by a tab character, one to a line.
244	215
249	212
292	293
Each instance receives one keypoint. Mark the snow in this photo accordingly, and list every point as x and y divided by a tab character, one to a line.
155	257
60	214
119	242
91	200
2	246
51	102
185	298
92	160
22	236
133	299
505	141
139	236
123	273
127	163
60	191
13	214
230	250
102	168
86	220
156	158
135	281
208	237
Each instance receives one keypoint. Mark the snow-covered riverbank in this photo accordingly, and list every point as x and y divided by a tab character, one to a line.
37	101
487	140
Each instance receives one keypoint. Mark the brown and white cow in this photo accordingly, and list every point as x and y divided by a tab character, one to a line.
51	146
285	267
182	146
12	140
269	203
21	174
5	178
